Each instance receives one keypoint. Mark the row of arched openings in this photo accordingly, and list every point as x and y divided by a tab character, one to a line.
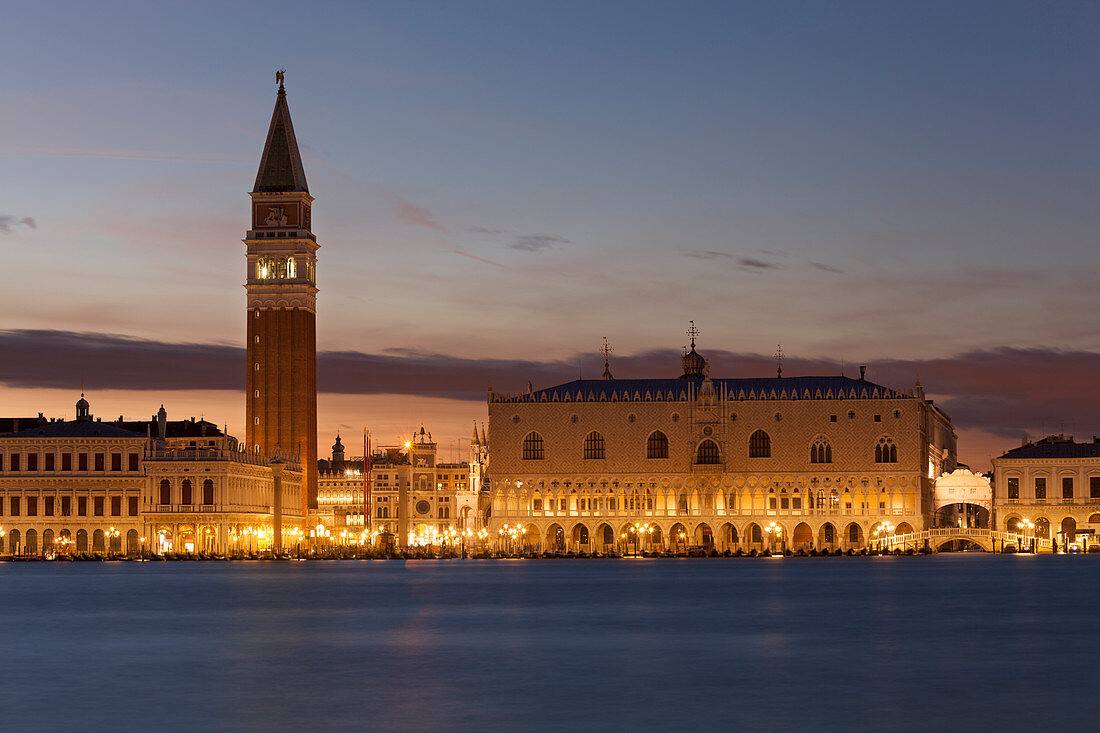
186	492
27	543
707	453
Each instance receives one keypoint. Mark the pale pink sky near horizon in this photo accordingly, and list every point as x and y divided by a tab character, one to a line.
856	181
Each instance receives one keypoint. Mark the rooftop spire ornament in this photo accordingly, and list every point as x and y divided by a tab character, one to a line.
279	76
693	332
778	360
606	350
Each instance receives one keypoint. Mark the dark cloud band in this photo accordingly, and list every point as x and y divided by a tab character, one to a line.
1007	392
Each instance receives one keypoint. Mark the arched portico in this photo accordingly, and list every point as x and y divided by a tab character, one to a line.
802	538
555	538
605	538
727	536
581	541
678	537
704	536
532	538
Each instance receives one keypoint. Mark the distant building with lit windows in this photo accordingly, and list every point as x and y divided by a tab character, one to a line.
411	496
713	463
1054	484
86	485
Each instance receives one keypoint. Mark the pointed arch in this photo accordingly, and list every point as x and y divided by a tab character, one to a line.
821	451
886	451
760	445
594	446
656	445
533	447
707	453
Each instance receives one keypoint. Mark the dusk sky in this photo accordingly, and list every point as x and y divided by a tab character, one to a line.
911	186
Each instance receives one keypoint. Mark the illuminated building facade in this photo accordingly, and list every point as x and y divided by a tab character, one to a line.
1050	488
64	484
412	496
281	398
780	462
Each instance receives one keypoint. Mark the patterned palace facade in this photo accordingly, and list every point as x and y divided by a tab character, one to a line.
792	463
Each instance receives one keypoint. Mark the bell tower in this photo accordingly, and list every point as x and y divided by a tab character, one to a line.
281	402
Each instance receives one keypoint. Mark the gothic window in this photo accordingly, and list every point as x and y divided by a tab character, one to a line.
760	445
657	445
886	451
532	447
821	451
291	268
682	505
594	446
165	492
707	453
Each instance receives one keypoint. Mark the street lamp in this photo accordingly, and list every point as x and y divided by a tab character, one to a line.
142	546
775	533
112	533
882	534
1027	526
640	531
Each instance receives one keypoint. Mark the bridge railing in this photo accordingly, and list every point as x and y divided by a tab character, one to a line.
964	533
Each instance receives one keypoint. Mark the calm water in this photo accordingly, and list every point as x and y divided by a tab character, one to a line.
951	642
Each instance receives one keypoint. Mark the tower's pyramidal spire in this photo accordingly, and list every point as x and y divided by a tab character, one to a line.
281	163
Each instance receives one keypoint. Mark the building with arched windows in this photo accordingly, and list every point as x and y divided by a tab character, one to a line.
1054	484
408	494
713	463
86	485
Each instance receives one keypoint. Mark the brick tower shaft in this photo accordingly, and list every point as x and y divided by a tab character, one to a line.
281	401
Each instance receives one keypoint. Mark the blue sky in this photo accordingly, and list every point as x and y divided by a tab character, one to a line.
859	181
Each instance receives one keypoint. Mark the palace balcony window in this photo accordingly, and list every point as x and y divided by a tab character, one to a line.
1014	488
185	491
886	451
1067	487
1040	488
760	445
821	451
657	445
594	446
707	454
165	492
532	447
1094	487
208	492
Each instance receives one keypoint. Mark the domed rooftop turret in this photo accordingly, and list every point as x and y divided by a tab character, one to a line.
83	409
337	448
693	364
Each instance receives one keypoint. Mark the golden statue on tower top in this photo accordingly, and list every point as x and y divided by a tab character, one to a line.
279	75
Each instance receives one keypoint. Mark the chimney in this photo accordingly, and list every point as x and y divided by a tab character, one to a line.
862	372
162	422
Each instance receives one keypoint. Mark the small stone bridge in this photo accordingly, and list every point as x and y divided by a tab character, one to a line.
989	540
